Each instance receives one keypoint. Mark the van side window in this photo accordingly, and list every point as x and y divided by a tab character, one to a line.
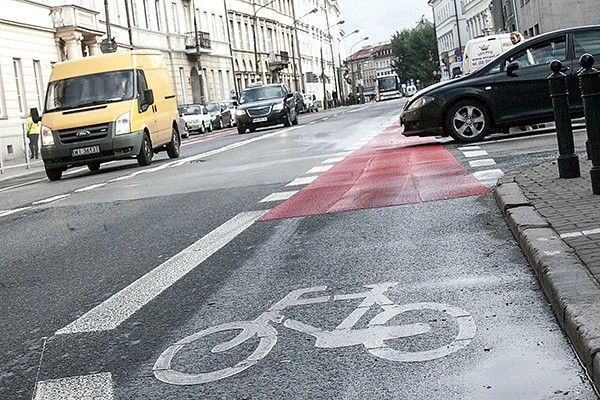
142	85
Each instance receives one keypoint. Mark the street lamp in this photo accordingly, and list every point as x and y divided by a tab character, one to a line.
335	76
352	64
254	34
294	23
342	91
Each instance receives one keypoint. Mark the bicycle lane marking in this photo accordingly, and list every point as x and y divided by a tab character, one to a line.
373	338
389	170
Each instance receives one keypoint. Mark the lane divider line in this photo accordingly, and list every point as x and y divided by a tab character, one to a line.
119	307
278	196
96	386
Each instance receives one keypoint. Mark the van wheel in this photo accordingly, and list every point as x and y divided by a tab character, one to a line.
173	148
54	174
94	166
468	121
144	158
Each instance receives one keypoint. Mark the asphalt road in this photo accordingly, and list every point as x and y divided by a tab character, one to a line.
353	263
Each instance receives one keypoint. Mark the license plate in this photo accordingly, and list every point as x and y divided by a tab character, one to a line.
263	119
84	151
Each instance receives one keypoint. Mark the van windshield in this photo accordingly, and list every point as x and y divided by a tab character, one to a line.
89	90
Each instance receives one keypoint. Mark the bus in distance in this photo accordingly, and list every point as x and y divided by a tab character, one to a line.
388	87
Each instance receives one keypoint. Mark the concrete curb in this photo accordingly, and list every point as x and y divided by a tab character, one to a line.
572	292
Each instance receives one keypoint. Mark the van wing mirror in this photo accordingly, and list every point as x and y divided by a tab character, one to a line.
149	96
511	68
35	115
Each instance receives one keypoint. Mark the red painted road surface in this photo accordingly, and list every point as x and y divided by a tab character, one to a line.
390	170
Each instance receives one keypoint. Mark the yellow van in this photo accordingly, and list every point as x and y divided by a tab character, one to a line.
108	107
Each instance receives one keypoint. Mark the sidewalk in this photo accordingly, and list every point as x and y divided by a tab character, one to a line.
18	167
557	224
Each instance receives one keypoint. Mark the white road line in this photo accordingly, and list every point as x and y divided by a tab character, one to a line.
319	169
50	199
302	181
91	187
16	210
278	196
482	163
333	160
476	153
122	305
96	386
353	147
469	148
488	177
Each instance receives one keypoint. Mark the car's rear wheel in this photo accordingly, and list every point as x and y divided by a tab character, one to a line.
468	121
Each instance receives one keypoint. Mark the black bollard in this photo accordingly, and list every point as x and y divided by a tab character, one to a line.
589	83
568	162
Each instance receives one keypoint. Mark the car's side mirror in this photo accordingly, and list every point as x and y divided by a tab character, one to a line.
511	68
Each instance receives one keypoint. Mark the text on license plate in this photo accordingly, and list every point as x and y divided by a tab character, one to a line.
263	119
85	151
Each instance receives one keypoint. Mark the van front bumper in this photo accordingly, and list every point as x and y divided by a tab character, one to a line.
61	155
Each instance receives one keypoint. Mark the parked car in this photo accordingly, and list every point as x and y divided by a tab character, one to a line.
299	99
266	105
310	102
197	118
511	90
220	114
232	105
184	132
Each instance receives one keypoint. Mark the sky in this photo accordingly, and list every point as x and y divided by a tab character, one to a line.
379	19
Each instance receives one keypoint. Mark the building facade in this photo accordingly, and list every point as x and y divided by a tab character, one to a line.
368	64
451	32
213	49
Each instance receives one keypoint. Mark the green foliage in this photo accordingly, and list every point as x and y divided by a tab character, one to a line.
415	53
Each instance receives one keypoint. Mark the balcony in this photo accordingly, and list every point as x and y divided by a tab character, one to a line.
204	45
74	17
277	62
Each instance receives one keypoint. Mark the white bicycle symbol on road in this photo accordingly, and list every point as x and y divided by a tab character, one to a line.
373	337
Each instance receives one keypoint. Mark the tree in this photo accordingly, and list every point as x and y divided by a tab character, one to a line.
415	53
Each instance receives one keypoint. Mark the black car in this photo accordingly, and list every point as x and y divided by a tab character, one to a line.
220	115
266	105
511	90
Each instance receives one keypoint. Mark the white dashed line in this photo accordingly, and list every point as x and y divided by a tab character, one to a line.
50	199
333	160
16	210
278	196
469	148
476	153
319	169
92	187
302	181
482	163
96	386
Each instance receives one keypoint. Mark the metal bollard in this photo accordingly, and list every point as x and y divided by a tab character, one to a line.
568	161
589	83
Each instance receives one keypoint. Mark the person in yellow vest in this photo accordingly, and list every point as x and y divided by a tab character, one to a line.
33	133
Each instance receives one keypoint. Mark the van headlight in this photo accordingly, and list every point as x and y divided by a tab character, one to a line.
278	107
46	136
420	102
123	124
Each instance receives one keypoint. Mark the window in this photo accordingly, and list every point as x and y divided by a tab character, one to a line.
175	17
147	14
541	53
37	78
2	98
19	85
158	15
134	12
587	42
182	84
